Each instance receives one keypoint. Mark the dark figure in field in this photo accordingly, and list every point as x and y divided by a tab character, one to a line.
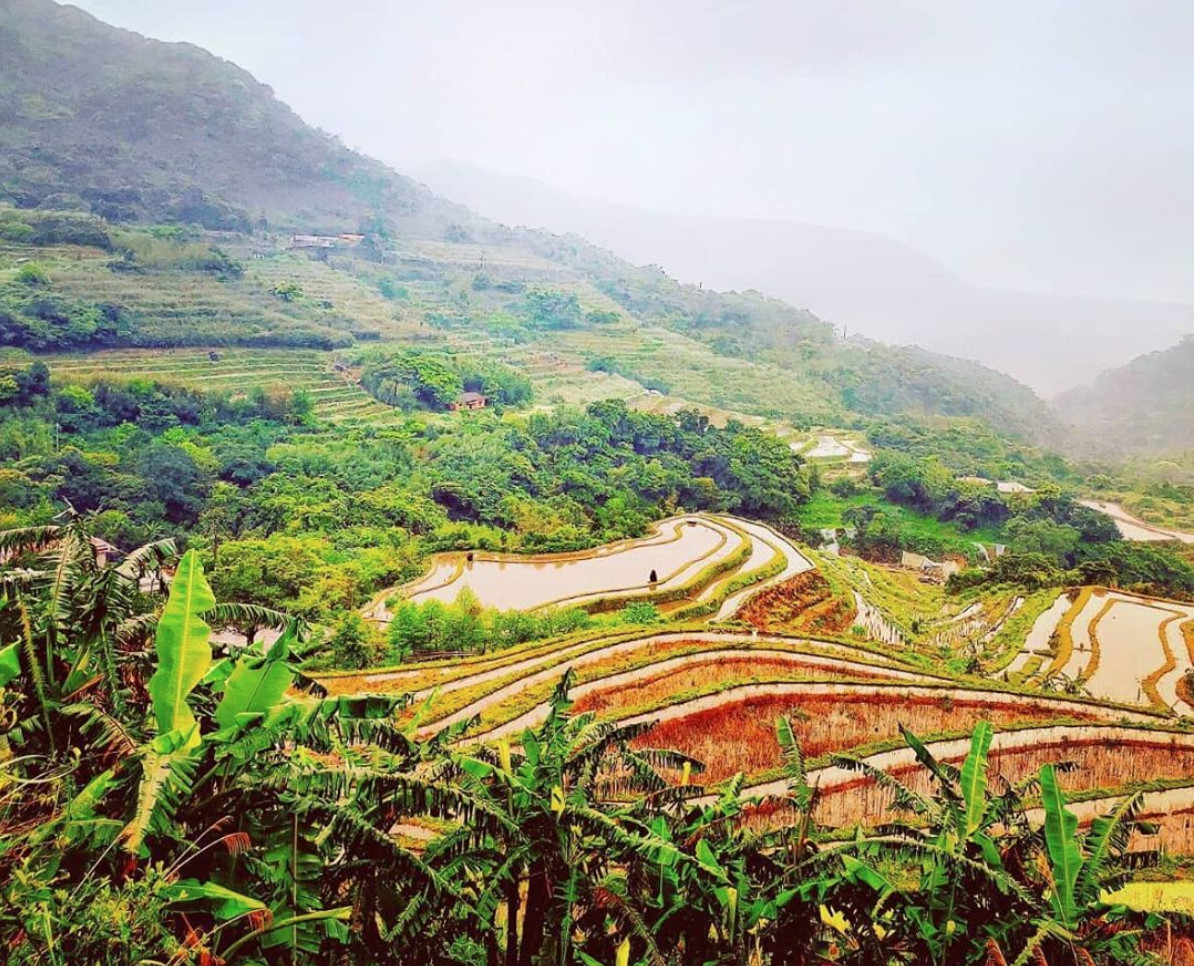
654	577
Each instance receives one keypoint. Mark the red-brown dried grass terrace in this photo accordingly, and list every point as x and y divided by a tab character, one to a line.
740	736
705	676
805	603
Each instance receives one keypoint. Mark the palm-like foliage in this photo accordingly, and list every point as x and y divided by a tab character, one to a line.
73	613
262	820
989	885
553	874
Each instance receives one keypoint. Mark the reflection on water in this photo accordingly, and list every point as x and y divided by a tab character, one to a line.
677	554
1130	650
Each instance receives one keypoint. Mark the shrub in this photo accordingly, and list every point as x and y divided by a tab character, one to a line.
353	644
34	275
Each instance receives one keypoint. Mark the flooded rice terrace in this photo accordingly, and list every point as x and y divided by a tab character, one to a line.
675	554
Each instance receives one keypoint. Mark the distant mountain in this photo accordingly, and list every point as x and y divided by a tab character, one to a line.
104	120
863	281
1145	407
135	129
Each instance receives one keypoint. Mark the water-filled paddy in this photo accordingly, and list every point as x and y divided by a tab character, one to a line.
675	555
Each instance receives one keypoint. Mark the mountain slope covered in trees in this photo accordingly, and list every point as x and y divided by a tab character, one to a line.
102	120
1144	407
135	128
863	281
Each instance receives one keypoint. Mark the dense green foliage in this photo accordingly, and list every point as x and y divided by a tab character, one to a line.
193	808
423	380
34	317
1031	519
1139	568
464	625
292	517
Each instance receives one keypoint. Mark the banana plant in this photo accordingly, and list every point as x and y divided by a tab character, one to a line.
1084	873
959	836
562	866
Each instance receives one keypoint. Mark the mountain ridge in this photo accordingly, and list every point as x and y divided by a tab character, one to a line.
862	280
1143	407
175	134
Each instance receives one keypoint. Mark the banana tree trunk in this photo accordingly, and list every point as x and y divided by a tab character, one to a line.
538	895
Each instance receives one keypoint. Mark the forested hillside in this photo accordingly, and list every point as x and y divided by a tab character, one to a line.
1143	408
136	131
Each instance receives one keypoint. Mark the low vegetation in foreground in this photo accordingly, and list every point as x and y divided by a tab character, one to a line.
168	799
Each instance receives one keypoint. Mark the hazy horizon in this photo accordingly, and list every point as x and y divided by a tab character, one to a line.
1036	146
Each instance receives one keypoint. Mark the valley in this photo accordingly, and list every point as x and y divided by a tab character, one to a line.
383	585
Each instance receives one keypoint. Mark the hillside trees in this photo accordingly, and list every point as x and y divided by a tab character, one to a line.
544	308
418	380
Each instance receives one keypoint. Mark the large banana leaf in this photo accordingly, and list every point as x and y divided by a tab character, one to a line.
257	684
183	652
1061	839
168	770
10	663
223	902
974	777
1108	836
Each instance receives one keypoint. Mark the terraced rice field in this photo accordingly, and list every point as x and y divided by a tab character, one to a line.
1133	528
1116	646
1103	756
337	398
715	694
736	732
674	555
832	448
703	565
690	370
715	691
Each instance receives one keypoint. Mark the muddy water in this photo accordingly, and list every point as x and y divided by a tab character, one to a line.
511	583
1133	528
1167	686
1130	650
1038	638
1080	657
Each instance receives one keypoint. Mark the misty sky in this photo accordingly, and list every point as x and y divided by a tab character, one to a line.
1038	144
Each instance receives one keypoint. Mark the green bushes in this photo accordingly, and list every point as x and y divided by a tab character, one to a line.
1156	571
551	309
466	626
54	228
33	317
423	380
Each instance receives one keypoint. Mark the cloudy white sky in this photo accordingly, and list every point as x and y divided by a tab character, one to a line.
1038	144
